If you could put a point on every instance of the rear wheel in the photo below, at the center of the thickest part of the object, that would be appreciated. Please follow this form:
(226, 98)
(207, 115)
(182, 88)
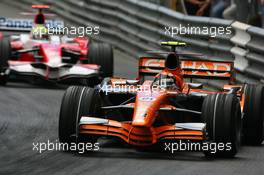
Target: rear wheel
(253, 121)
(102, 55)
(77, 101)
(222, 115)
(5, 54)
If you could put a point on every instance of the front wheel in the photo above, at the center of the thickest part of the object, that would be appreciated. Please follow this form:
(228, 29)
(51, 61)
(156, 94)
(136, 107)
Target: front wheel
(222, 115)
(77, 101)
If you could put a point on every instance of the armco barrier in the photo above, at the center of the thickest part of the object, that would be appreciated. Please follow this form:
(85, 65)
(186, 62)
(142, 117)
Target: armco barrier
(135, 25)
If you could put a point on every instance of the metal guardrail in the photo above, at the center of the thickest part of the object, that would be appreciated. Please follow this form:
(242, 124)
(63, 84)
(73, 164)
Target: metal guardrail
(134, 26)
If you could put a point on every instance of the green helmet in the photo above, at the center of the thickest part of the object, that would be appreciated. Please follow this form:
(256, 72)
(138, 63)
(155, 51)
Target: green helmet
(40, 32)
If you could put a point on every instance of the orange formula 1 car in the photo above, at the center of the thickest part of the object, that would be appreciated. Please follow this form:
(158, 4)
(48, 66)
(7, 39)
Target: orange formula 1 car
(162, 105)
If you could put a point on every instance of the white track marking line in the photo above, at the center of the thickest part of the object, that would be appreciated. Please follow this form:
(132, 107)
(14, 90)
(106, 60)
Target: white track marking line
(77, 115)
(215, 115)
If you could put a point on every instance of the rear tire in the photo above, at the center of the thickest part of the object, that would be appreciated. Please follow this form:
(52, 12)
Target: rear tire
(102, 55)
(5, 54)
(222, 115)
(77, 101)
(253, 121)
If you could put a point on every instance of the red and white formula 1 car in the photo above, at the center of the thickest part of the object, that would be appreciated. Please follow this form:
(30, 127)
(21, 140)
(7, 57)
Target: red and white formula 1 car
(55, 58)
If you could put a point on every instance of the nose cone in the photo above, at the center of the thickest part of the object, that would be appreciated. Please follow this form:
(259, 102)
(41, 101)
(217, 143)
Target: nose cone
(146, 108)
(140, 113)
(51, 54)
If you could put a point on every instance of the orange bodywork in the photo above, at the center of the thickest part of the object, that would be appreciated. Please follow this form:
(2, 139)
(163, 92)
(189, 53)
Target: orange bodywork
(141, 131)
(140, 136)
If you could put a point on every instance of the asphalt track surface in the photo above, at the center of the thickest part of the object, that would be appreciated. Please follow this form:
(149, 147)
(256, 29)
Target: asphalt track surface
(29, 114)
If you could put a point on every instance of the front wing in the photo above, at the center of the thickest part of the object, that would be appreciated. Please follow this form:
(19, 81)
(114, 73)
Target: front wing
(45, 72)
(141, 136)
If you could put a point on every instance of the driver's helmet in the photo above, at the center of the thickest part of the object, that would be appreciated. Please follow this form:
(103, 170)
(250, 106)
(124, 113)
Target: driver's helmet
(167, 81)
(40, 32)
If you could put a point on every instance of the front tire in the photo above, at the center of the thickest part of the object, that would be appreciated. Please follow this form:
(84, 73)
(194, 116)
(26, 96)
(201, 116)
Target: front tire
(77, 101)
(222, 115)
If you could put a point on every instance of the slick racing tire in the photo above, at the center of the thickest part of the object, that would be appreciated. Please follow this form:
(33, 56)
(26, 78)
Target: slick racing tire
(222, 115)
(102, 55)
(253, 121)
(5, 54)
(77, 101)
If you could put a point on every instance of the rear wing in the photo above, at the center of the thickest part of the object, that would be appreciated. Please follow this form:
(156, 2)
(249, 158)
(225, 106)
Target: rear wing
(207, 69)
(199, 69)
(25, 25)
(150, 66)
